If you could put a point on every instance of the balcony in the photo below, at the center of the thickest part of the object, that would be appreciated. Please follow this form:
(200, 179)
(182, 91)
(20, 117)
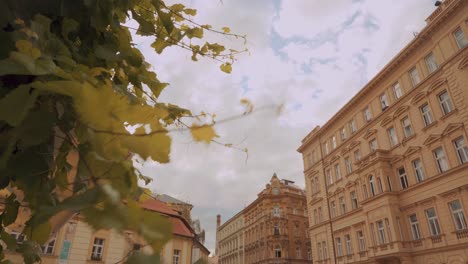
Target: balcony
(363, 254)
(436, 239)
(462, 234)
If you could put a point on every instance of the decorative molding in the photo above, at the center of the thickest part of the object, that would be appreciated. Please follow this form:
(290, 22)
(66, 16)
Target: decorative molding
(354, 144)
(418, 97)
(463, 64)
(431, 139)
(401, 110)
(370, 132)
(411, 150)
(396, 159)
(451, 127)
(386, 121)
(334, 158)
(436, 84)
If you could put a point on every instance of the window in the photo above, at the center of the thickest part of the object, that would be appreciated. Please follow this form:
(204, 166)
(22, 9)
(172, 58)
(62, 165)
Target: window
(357, 155)
(426, 114)
(431, 63)
(397, 90)
(333, 140)
(294, 211)
(277, 252)
(342, 205)
(361, 241)
(460, 38)
(373, 145)
(379, 184)
(333, 208)
(275, 191)
(176, 257)
(372, 185)
(383, 101)
(309, 254)
(325, 251)
(381, 231)
(343, 134)
(414, 75)
(329, 177)
(441, 160)
(319, 249)
(337, 171)
(276, 230)
(458, 215)
(352, 126)
(339, 247)
(48, 248)
(407, 129)
(433, 222)
(320, 214)
(445, 102)
(415, 231)
(349, 247)
(98, 248)
(325, 146)
(462, 149)
(354, 201)
(296, 230)
(317, 187)
(364, 188)
(367, 114)
(348, 165)
(19, 237)
(418, 170)
(276, 211)
(389, 182)
(315, 217)
(389, 232)
(403, 178)
(298, 252)
(392, 136)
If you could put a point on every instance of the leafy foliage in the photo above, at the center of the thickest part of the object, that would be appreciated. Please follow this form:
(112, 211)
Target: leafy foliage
(71, 84)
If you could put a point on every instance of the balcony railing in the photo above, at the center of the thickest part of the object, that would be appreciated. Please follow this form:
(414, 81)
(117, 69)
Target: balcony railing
(461, 234)
(436, 239)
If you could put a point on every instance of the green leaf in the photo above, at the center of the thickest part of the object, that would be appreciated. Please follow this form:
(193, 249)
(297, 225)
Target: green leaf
(226, 67)
(39, 233)
(166, 20)
(160, 44)
(226, 29)
(37, 127)
(190, 12)
(15, 105)
(195, 32)
(141, 258)
(8, 239)
(11, 210)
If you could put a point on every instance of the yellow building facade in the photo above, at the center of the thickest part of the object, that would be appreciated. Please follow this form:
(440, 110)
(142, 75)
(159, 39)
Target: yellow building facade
(387, 176)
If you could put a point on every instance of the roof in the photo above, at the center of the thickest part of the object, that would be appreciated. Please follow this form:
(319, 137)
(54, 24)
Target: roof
(179, 224)
(169, 199)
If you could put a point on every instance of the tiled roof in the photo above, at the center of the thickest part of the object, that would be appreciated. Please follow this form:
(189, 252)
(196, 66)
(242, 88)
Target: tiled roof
(179, 225)
(169, 199)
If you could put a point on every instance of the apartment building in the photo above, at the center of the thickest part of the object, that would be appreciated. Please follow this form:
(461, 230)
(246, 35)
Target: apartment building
(230, 237)
(387, 175)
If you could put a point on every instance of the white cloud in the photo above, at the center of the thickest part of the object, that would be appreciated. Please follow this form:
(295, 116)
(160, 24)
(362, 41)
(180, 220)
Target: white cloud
(327, 61)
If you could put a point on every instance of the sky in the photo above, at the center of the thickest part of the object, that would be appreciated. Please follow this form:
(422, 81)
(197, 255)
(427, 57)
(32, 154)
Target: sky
(310, 56)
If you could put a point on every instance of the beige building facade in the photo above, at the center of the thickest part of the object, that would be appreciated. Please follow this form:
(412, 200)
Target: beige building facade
(272, 229)
(387, 176)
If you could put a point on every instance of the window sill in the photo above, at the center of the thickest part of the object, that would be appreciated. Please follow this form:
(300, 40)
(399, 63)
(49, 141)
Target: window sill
(429, 126)
(449, 114)
(406, 139)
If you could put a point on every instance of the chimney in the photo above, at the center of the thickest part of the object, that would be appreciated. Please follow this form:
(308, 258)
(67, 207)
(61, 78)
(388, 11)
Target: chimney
(218, 224)
(218, 221)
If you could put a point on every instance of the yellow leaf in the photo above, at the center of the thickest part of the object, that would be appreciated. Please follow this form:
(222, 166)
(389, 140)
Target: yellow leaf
(27, 48)
(204, 133)
(41, 233)
(248, 105)
(226, 29)
(226, 67)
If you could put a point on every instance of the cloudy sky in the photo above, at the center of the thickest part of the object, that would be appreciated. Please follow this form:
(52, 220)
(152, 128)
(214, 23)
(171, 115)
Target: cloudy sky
(310, 55)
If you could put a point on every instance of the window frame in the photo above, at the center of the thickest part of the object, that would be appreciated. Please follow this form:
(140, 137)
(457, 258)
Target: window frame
(367, 114)
(458, 214)
(433, 222)
(354, 200)
(418, 170)
(462, 151)
(446, 104)
(97, 251)
(414, 76)
(361, 241)
(457, 40)
(431, 62)
(441, 161)
(384, 102)
(393, 137)
(397, 91)
(407, 127)
(403, 177)
(414, 226)
(176, 253)
(426, 116)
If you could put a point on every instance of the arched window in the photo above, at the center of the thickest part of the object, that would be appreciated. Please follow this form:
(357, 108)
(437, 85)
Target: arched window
(277, 251)
(372, 185)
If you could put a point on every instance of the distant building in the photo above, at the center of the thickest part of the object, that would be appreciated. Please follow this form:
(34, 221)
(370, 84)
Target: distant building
(183, 207)
(272, 229)
(387, 176)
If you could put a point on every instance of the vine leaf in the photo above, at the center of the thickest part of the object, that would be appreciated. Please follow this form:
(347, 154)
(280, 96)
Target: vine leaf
(15, 105)
(203, 133)
(226, 67)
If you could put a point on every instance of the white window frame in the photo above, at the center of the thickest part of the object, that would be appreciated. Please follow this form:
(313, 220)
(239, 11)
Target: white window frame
(329, 176)
(460, 38)
(333, 208)
(397, 92)
(278, 252)
(372, 186)
(458, 215)
(276, 211)
(381, 232)
(367, 114)
(426, 114)
(339, 247)
(176, 256)
(342, 202)
(326, 148)
(97, 251)
(418, 170)
(392, 136)
(401, 171)
(357, 155)
(319, 249)
(462, 149)
(431, 62)
(441, 159)
(361, 241)
(373, 145)
(445, 102)
(349, 246)
(407, 128)
(433, 221)
(414, 225)
(333, 142)
(352, 126)
(354, 200)
(337, 171)
(384, 104)
(349, 166)
(49, 246)
(414, 76)
(343, 133)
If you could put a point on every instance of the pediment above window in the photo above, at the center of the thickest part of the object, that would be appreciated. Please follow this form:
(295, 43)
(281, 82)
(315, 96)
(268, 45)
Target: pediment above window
(411, 150)
(370, 133)
(431, 139)
(451, 127)
(386, 121)
(418, 97)
(463, 64)
(354, 144)
(401, 110)
(436, 84)
(396, 159)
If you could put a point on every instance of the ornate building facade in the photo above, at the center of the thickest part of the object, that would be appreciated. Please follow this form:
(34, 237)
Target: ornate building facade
(272, 229)
(387, 176)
